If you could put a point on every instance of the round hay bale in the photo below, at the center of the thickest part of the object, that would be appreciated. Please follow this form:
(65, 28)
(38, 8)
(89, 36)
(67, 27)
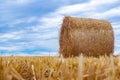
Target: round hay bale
(91, 37)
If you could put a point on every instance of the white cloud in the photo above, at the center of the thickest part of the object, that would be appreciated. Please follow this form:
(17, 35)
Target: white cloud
(107, 14)
(48, 35)
(9, 48)
(38, 43)
(89, 6)
(17, 2)
(117, 31)
(116, 25)
(10, 36)
(53, 21)
(41, 36)
(118, 45)
(22, 1)
(116, 28)
(23, 21)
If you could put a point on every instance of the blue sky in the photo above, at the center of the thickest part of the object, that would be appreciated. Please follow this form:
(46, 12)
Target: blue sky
(31, 27)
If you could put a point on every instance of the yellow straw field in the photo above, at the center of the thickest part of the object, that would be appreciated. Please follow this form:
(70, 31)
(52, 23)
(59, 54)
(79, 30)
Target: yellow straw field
(59, 68)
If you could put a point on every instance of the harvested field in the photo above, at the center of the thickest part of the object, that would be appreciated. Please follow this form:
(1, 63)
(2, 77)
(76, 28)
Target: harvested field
(91, 37)
(59, 68)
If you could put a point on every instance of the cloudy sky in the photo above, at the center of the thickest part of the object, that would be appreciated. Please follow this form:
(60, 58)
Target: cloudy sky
(31, 27)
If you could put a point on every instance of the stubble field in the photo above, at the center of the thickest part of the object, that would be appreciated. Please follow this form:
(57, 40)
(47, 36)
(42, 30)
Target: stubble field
(59, 68)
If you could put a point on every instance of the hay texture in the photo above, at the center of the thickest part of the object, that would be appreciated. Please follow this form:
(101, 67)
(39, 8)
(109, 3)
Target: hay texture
(91, 37)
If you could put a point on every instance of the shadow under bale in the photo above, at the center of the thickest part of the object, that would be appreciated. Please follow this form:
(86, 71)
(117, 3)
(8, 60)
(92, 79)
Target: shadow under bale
(91, 37)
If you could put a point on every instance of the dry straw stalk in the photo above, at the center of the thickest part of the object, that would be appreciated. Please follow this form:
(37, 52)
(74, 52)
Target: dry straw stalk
(53, 68)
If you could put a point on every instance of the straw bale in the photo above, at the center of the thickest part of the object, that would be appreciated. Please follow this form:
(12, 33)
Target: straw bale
(91, 37)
